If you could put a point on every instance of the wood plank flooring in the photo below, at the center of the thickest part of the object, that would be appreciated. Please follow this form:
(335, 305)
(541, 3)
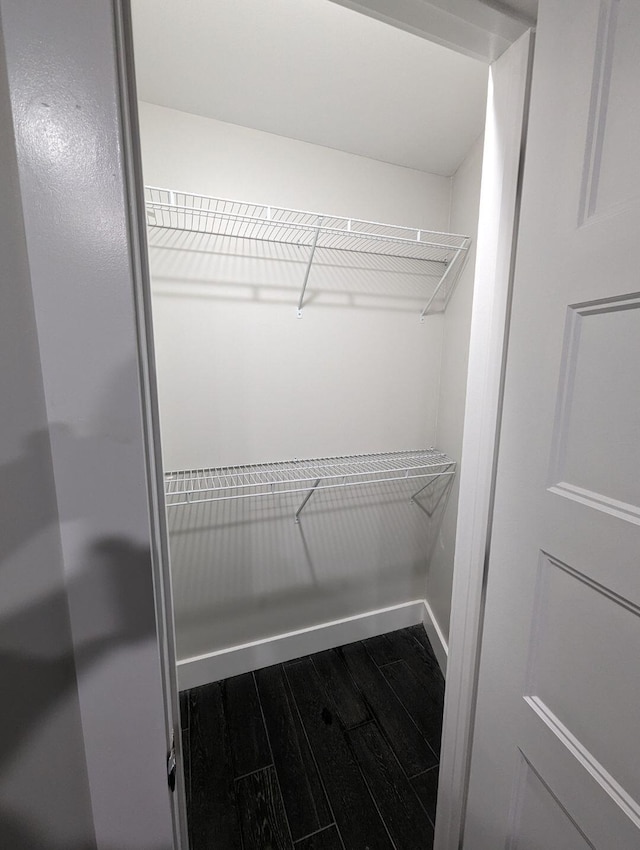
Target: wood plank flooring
(334, 751)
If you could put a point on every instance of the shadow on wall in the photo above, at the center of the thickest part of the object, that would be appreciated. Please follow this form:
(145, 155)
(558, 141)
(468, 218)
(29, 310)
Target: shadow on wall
(245, 570)
(19, 836)
(37, 665)
(204, 266)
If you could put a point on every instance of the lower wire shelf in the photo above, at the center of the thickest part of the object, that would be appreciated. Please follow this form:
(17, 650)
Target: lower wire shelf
(192, 486)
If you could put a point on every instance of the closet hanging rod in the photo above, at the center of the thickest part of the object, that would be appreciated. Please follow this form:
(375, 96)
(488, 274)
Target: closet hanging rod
(303, 476)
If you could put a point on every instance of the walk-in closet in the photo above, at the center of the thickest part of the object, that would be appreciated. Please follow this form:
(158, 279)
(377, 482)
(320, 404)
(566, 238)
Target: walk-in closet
(312, 180)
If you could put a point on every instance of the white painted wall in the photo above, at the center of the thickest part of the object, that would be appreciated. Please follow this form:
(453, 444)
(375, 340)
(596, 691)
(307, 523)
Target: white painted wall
(244, 570)
(241, 379)
(42, 742)
(465, 200)
(312, 71)
(63, 84)
(211, 157)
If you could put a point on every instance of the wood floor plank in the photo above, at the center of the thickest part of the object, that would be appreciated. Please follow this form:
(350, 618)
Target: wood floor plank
(186, 766)
(434, 737)
(302, 793)
(325, 815)
(413, 752)
(382, 649)
(426, 787)
(262, 817)
(213, 819)
(416, 651)
(419, 701)
(406, 820)
(414, 648)
(341, 689)
(248, 737)
(369, 708)
(184, 709)
(328, 839)
(355, 813)
(419, 634)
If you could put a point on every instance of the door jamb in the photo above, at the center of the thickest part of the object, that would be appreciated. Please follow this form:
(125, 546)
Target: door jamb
(499, 209)
(163, 592)
(502, 168)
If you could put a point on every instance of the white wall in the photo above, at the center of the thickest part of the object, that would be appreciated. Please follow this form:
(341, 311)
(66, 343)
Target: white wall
(63, 85)
(43, 773)
(465, 199)
(195, 154)
(241, 379)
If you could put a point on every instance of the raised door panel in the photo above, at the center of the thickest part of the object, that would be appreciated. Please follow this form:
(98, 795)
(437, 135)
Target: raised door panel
(556, 744)
(614, 129)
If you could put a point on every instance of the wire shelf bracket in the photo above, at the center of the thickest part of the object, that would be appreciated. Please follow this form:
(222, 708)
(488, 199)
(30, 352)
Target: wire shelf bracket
(188, 487)
(445, 253)
(308, 270)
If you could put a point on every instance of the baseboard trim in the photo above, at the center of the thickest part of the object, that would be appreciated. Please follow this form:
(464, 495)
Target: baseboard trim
(436, 637)
(234, 660)
(285, 647)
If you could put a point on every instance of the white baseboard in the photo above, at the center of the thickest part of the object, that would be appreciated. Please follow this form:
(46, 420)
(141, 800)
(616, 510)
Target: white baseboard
(214, 666)
(436, 637)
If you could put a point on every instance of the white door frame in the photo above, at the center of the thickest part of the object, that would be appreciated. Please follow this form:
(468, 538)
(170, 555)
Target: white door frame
(503, 157)
(136, 217)
(499, 205)
(70, 85)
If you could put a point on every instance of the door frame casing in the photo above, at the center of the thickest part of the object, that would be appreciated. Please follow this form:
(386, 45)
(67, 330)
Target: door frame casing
(74, 146)
(493, 274)
(499, 205)
(502, 168)
(141, 276)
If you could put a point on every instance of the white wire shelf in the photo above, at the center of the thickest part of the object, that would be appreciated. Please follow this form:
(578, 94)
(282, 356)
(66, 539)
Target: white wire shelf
(192, 486)
(442, 253)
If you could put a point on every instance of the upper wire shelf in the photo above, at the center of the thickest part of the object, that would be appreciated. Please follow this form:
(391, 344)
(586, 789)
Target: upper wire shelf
(296, 476)
(183, 211)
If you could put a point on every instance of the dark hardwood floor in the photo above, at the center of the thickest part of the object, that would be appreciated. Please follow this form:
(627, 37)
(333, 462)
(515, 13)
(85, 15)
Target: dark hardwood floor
(333, 751)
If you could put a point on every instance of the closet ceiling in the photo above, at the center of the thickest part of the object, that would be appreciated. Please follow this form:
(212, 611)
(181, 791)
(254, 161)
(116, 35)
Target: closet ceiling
(315, 71)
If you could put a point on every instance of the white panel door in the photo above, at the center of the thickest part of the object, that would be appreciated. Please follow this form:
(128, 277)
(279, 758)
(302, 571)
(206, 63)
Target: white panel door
(556, 757)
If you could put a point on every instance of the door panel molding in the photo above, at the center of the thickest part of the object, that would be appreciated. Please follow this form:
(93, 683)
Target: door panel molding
(612, 54)
(571, 665)
(522, 786)
(576, 376)
(585, 759)
(561, 635)
(600, 88)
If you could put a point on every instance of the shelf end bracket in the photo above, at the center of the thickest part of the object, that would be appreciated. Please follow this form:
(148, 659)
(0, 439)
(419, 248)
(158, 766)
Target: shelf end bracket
(306, 499)
(308, 269)
(450, 265)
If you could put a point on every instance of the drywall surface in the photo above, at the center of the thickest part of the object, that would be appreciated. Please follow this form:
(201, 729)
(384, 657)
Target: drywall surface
(245, 570)
(312, 71)
(61, 65)
(195, 154)
(465, 199)
(242, 379)
(43, 774)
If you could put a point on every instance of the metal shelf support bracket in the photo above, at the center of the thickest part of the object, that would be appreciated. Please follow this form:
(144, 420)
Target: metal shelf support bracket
(450, 265)
(308, 270)
(306, 499)
(428, 484)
